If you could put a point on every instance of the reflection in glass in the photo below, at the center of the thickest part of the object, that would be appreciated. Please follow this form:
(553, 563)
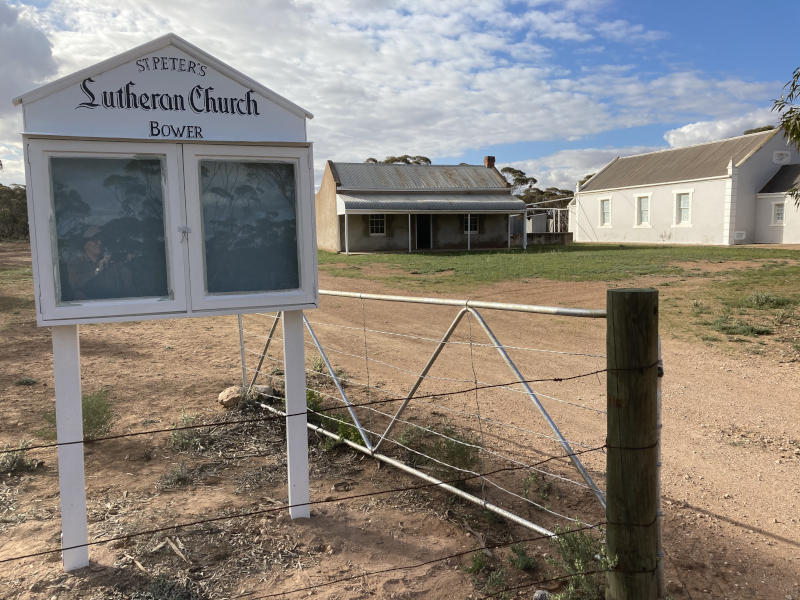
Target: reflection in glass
(249, 226)
(109, 228)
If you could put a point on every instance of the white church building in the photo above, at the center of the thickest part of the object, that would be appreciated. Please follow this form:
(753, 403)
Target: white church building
(732, 191)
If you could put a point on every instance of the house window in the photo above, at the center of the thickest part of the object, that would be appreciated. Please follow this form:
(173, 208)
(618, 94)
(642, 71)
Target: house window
(643, 210)
(683, 208)
(377, 224)
(470, 223)
(778, 213)
(605, 212)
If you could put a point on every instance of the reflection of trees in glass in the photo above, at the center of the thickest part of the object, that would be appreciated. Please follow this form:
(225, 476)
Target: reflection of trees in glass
(118, 202)
(249, 226)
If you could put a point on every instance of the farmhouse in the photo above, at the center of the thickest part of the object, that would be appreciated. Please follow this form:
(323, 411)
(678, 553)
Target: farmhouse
(732, 191)
(372, 207)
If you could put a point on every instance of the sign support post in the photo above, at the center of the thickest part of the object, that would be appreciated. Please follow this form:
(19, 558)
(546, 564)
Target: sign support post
(296, 420)
(69, 428)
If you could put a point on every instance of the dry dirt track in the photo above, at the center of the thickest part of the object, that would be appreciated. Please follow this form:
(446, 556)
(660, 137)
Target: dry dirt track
(731, 479)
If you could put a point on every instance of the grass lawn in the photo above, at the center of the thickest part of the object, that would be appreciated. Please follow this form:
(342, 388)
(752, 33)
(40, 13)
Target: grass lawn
(584, 262)
(744, 297)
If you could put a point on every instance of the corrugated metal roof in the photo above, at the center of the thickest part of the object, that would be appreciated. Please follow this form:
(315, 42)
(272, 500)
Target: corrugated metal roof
(785, 179)
(457, 203)
(679, 164)
(375, 177)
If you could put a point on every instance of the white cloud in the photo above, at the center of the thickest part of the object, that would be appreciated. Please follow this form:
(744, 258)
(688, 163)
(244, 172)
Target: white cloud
(26, 53)
(429, 78)
(709, 131)
(565, 168)
(623, 31)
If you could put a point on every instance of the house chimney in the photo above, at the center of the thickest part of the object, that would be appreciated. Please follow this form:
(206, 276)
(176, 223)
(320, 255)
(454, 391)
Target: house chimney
(488, 162)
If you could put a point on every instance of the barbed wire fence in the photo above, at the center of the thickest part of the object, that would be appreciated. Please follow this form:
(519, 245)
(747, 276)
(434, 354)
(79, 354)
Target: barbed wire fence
(452, 423)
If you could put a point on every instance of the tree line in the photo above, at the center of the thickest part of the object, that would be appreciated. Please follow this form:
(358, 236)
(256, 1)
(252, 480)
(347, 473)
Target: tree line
(13, 212)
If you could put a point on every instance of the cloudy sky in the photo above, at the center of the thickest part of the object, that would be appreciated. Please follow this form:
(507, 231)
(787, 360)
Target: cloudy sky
(556, 88)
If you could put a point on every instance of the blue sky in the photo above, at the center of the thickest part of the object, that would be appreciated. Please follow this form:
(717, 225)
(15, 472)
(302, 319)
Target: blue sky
(556, 88)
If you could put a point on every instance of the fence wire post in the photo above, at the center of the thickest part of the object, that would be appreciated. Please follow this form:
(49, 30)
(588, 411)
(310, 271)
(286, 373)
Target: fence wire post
(633, 445)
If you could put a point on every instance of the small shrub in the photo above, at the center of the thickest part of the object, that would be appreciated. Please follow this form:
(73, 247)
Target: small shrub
(458, 451)
(520, 559)
(26, 381)
(496, 583)
(478, 563)
(535, 482)
(97, 415)
(14, 461)
(339, 425)
(317, 364)
(765, 300)
(98, 418)
(784, 316)
(195, 439)
(180, 475)
(698, 308)
(578, 553)
(729, 326)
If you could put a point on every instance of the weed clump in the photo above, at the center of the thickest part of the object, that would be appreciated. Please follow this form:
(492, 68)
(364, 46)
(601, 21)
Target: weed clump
(520, 559)
(193, 439)
(584, 558)
(729, 326)
(765, 300)
(98, 417)
(339, 425)
(446, 452)
(13, 459)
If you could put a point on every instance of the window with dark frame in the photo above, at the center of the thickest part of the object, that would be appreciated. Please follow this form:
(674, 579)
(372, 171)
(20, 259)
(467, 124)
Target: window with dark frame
(377, 224)
(470, 223)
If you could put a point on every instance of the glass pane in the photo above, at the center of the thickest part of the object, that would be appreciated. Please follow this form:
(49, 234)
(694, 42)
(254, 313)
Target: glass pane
(109, 228)
(249, 226)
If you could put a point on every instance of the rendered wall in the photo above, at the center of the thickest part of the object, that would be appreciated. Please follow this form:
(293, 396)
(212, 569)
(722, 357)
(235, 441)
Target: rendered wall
(327, 220)
(765, 231)
(751, 178)
(707, 204)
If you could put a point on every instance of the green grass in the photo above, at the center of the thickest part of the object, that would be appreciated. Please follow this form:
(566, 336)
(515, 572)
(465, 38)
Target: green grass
(583, 262)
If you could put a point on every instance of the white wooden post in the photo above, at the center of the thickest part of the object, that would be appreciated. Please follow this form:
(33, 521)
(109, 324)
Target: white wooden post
(296, 431)
(69, 428)
(509, 231)
(409, 233)
(525, 230)
(346, 235)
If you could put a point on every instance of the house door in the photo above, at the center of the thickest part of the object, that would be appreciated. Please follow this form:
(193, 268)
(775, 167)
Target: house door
(423, 232)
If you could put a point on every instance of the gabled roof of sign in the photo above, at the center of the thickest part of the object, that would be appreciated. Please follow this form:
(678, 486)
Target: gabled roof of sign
(382, 178)
(679, 164)
(169, 39)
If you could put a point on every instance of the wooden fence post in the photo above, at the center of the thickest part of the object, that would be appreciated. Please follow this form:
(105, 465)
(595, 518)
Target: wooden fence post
(632, 511)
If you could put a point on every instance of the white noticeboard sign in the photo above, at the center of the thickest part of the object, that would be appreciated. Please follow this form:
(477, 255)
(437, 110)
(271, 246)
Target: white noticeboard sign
(163, 183)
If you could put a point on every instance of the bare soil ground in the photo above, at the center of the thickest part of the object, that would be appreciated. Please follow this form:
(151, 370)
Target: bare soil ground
(731, 456)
